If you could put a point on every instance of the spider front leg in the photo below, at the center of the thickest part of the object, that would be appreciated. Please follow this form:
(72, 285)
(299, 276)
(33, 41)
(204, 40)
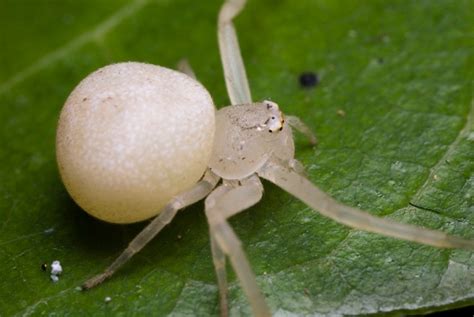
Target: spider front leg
(300, 126)
(224, 202)
(314, 197)
(198, 192)
(234, 69)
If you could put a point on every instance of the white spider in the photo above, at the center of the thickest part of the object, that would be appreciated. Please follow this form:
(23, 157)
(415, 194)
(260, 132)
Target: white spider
(134, 140)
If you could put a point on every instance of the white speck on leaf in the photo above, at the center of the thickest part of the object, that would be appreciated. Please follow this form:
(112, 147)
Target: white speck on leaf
(49, 230)
(56, 268)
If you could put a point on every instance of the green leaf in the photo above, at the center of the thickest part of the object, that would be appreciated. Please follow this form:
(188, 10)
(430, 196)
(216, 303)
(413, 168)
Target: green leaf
(402, 71)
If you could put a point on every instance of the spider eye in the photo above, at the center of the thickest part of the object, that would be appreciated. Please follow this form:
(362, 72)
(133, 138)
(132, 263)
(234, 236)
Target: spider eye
(270, 105)
(275, 118)
(274, 124)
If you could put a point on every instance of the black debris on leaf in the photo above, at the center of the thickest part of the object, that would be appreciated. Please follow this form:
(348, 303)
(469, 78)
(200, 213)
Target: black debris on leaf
(309, 80)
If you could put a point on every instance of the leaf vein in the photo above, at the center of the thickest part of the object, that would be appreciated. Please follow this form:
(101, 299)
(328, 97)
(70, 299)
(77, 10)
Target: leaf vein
(96, 33)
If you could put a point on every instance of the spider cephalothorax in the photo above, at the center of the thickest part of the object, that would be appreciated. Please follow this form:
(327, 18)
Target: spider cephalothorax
(247, 136)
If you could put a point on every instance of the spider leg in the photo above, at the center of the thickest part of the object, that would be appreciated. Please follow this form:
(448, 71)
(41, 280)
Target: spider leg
(314, 197)
(234, 69)
(196, 193)
(221, 204)
(299, 125)
(218, 257)
(297, 167)
(184, 67)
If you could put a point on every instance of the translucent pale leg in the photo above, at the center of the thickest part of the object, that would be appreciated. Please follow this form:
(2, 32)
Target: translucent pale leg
(198, 192)
(221, 204)
(296, 166)
(300, 126)
(218, 257)
(234, 70)
(184, 67)
(306, 191)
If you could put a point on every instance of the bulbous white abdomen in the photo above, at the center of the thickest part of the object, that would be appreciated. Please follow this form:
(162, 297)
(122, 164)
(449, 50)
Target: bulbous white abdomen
(130, 137)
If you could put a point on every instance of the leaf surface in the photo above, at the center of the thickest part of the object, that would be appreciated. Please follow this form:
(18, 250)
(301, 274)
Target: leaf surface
(393, 112)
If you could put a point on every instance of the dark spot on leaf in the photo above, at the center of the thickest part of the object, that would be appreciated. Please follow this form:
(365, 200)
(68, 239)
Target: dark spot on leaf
(309, 80)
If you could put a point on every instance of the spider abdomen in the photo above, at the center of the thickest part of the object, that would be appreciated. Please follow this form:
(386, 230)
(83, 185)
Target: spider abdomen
(130, 137)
